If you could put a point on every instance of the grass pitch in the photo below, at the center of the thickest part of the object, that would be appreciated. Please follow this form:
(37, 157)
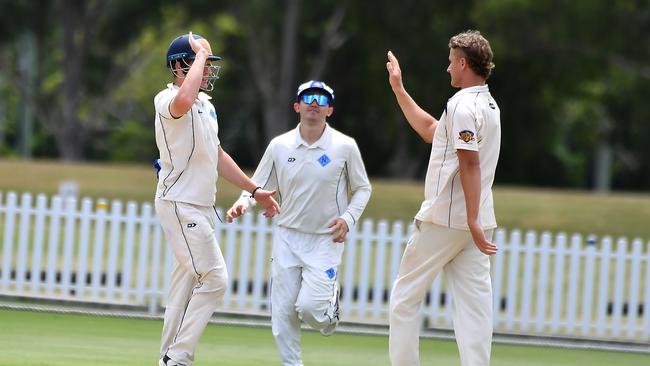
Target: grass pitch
(48, 339)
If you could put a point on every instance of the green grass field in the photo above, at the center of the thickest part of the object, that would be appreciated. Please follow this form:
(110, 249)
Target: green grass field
(47, 339)
(616, 214)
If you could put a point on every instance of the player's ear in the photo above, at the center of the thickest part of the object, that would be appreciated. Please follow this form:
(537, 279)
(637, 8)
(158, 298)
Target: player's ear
(330, 110)
(296, 107)
(462, 61)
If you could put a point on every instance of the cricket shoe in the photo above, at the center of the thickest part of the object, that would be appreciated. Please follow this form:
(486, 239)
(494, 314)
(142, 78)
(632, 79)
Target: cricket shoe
(166, 361)
(334, 317)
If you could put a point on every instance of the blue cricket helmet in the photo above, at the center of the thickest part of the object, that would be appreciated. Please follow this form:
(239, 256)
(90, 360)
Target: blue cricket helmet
(180, 49)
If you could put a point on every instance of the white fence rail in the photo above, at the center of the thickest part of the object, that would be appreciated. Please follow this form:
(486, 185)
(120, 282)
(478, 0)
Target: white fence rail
(543, 284)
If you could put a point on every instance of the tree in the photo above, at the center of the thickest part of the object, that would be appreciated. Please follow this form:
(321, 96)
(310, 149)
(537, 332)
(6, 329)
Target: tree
(259, 23)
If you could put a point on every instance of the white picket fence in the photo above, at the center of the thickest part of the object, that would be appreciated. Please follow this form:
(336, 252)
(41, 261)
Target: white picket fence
(546, 284)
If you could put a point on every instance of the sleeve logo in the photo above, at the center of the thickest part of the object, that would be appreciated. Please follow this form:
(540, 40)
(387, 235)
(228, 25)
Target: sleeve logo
(466, 136)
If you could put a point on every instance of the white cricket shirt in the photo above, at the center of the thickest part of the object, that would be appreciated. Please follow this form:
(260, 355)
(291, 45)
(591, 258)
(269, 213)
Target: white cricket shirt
(316, 183)
(188, 148)
(471, 121)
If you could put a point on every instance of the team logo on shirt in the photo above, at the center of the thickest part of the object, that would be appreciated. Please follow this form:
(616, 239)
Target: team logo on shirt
(466, 136)
(324, 160)
(331, 273)
(213, 114)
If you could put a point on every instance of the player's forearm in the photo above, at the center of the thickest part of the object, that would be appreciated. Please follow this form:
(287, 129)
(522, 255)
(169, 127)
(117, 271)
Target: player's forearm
(189, 90)
(357, 205)
(422, 122)
(231, 172)
(470, 178)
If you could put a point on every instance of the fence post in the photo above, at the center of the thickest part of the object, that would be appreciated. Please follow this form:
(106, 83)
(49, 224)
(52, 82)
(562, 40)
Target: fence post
(127, 257)
(364, 270)
(98, 248)
(53, 245)
(350, 255)
(39, 238)
(574, 276)
(587, 290)
(633, 294)
(558, 284)
(397, 241)
(603, 286)
(147, 221)
(8, 244)
(527, 285)
(497, 277)
(646, 303)
(260, 276)
(619, 287)
(23, 240)
(113, 248)
(380, 270)
(542, 285)
(155, 297)
(84, 236)
(513, 275)
(70, 211)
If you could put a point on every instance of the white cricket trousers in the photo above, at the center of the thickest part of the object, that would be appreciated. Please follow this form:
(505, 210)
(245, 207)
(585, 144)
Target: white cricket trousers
(304, 271)
(198, 279)
(433, 248)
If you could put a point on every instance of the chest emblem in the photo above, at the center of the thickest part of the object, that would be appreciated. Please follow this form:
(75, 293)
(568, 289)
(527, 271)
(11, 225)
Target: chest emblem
(213, 114)
(324, 160)
(466, 136)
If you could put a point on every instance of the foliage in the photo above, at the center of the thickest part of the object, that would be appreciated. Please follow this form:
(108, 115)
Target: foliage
(571, 78)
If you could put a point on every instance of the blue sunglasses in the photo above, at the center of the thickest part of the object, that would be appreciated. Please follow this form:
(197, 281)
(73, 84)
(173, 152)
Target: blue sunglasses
(321, 100)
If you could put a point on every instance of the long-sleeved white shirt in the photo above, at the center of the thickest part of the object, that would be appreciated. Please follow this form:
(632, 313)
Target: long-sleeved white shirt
(317, 183)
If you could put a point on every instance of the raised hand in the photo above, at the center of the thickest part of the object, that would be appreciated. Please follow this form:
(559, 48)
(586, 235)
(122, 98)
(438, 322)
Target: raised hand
(339, 230)
(394, 72)
(196, 45)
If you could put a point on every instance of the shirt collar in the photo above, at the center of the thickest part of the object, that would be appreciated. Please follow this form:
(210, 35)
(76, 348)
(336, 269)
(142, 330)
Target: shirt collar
(323, 142)
(472, 89)
(202, 96)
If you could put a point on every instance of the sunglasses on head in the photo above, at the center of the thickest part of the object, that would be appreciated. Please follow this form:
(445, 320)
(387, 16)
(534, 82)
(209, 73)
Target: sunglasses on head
(321, 100)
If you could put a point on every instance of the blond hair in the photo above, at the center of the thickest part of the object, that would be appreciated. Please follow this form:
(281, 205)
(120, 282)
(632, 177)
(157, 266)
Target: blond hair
(476, 49)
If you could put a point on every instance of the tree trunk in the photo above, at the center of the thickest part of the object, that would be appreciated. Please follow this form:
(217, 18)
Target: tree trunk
(277, 89)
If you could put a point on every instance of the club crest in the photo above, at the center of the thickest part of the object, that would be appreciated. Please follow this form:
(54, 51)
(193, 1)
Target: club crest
(466, 136)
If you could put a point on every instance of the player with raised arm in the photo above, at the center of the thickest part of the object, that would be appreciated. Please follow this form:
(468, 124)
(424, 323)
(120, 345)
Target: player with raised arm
(191, 158)
(453, 229)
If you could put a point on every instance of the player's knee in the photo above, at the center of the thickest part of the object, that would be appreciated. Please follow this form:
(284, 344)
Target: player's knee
(311, 311)
(215, 281)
